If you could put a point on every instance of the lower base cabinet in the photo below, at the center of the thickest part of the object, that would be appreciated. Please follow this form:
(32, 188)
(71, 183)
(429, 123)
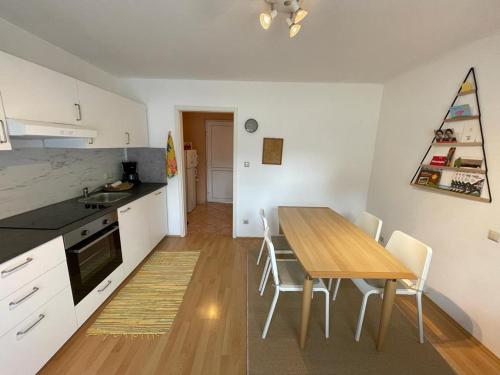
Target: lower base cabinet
(42, 331)
(27, 347)
(143, 224)
(87, 306)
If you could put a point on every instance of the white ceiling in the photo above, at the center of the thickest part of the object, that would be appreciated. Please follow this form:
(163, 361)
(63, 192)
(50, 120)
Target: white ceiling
(341, 40)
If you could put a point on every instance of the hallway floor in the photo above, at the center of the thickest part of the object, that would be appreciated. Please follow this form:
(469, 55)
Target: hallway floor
(211, 218)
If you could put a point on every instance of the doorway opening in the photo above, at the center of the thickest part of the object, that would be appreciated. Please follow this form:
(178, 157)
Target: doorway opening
(208, 170)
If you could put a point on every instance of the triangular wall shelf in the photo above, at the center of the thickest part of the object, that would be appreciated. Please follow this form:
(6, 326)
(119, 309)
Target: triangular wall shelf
(457, 180)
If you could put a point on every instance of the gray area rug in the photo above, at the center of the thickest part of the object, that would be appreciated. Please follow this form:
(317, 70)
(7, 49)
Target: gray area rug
(280, 354)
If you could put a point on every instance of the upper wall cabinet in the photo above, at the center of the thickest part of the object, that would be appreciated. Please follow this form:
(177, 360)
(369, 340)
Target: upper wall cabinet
(32, 92)
(135, 126)
(120, 122)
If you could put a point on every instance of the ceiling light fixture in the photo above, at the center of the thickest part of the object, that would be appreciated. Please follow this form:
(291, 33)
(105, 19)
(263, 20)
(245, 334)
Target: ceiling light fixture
(293, 28)
(266, 18)
(299, 13)
(296, 15)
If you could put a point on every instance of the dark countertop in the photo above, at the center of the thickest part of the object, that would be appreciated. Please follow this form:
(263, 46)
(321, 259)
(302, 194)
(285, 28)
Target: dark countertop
(14, 242)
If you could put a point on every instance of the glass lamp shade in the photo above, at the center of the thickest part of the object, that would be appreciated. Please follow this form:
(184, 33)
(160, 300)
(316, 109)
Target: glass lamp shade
(294, 29)
(265, 20)
(300, 14)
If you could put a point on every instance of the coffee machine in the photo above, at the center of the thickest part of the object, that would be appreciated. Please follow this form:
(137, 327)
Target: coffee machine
(130, 172)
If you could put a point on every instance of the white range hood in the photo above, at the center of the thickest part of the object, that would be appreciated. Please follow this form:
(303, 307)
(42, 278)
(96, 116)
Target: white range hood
(26, 129)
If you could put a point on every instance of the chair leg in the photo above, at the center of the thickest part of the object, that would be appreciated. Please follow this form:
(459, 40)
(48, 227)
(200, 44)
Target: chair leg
(263, 278)
(330, 284)
(268, 272)
(271, 312)
(420, 320)
(261, 251)
(327, 314)
(361, 317)
(337, 285)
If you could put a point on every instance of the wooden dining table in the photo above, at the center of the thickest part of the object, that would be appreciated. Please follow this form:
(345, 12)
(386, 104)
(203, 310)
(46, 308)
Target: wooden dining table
(327, 245)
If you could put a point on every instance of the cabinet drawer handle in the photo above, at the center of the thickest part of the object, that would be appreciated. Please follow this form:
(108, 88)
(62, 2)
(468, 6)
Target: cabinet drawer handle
(10, 271)
(78, 112)
(104, 287)
(125, 210)
(25, 331)
(128, 137)
(21, 300)
(4, 139)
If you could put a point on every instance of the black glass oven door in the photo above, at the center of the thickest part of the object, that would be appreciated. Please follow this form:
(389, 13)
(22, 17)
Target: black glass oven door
(92, 260)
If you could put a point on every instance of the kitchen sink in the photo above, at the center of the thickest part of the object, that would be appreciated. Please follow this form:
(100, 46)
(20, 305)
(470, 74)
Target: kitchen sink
(102, 198)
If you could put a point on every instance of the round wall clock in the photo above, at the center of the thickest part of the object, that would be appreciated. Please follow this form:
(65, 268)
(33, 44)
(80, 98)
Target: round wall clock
(251, 125)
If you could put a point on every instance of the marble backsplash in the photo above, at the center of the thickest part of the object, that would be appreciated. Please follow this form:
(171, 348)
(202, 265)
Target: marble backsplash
(33, 178)
(150, 163)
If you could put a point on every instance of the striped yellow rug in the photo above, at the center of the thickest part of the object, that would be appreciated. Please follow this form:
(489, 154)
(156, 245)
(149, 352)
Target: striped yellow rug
(148, 303)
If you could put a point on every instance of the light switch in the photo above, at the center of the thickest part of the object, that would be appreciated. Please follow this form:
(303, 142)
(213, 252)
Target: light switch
(246, 164)
(494, 235)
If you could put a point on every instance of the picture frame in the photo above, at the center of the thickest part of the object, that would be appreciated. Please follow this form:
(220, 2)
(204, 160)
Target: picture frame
(272, 151)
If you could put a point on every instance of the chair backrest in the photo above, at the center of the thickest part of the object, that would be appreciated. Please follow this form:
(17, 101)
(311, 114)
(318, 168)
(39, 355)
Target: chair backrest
(412, 253)
(263, 218)
(370, 224)
(272, 256)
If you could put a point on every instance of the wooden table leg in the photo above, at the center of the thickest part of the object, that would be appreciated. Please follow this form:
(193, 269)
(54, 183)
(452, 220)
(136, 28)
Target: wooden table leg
(306, 308)
(385, 316)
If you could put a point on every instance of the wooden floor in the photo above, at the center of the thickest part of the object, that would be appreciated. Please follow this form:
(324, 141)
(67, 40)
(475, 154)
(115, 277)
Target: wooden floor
(464, 354)
(207, 337)
(209, 333)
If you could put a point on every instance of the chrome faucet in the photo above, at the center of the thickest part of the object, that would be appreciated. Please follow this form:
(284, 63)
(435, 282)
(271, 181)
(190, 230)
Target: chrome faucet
(86, 192)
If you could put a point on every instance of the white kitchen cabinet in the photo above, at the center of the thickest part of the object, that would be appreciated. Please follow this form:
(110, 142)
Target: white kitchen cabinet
(143, 224)
(4, 135)
(87, 306)
(135, 125)
(24, 301)
(32, 92)
(101, 110)
(26, 267)
(157, 216)
(29, 345)
(120, 122)
(134, 233)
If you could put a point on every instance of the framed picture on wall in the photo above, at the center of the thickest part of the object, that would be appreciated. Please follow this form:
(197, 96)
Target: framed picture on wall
(272, 151)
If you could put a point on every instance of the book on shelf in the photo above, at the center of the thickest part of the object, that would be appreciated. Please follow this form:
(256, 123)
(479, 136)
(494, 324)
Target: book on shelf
(428, 177)
(447, 135)
(467, 183)
(470, 133)
(449, 157)
(439, 161)
(468, 163)
(460, 111)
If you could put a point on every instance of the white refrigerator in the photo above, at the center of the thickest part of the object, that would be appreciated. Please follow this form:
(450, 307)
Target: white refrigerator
(191, 158)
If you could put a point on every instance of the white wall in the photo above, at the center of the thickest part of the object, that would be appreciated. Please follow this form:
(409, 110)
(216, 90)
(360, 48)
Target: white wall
(20, 43)
(328, 131)
(464, 276)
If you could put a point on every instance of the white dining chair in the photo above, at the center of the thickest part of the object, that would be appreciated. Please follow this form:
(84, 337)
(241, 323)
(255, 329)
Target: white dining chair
(413, 254)
(279, 241)
(372, 226)
(288, 276)
(281, 247)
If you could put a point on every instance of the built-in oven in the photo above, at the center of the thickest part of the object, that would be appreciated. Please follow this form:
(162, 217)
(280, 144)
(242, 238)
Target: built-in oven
(93, 252)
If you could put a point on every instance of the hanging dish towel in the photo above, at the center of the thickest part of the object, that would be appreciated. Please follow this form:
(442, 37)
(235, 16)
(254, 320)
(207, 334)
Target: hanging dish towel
(171, 162)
